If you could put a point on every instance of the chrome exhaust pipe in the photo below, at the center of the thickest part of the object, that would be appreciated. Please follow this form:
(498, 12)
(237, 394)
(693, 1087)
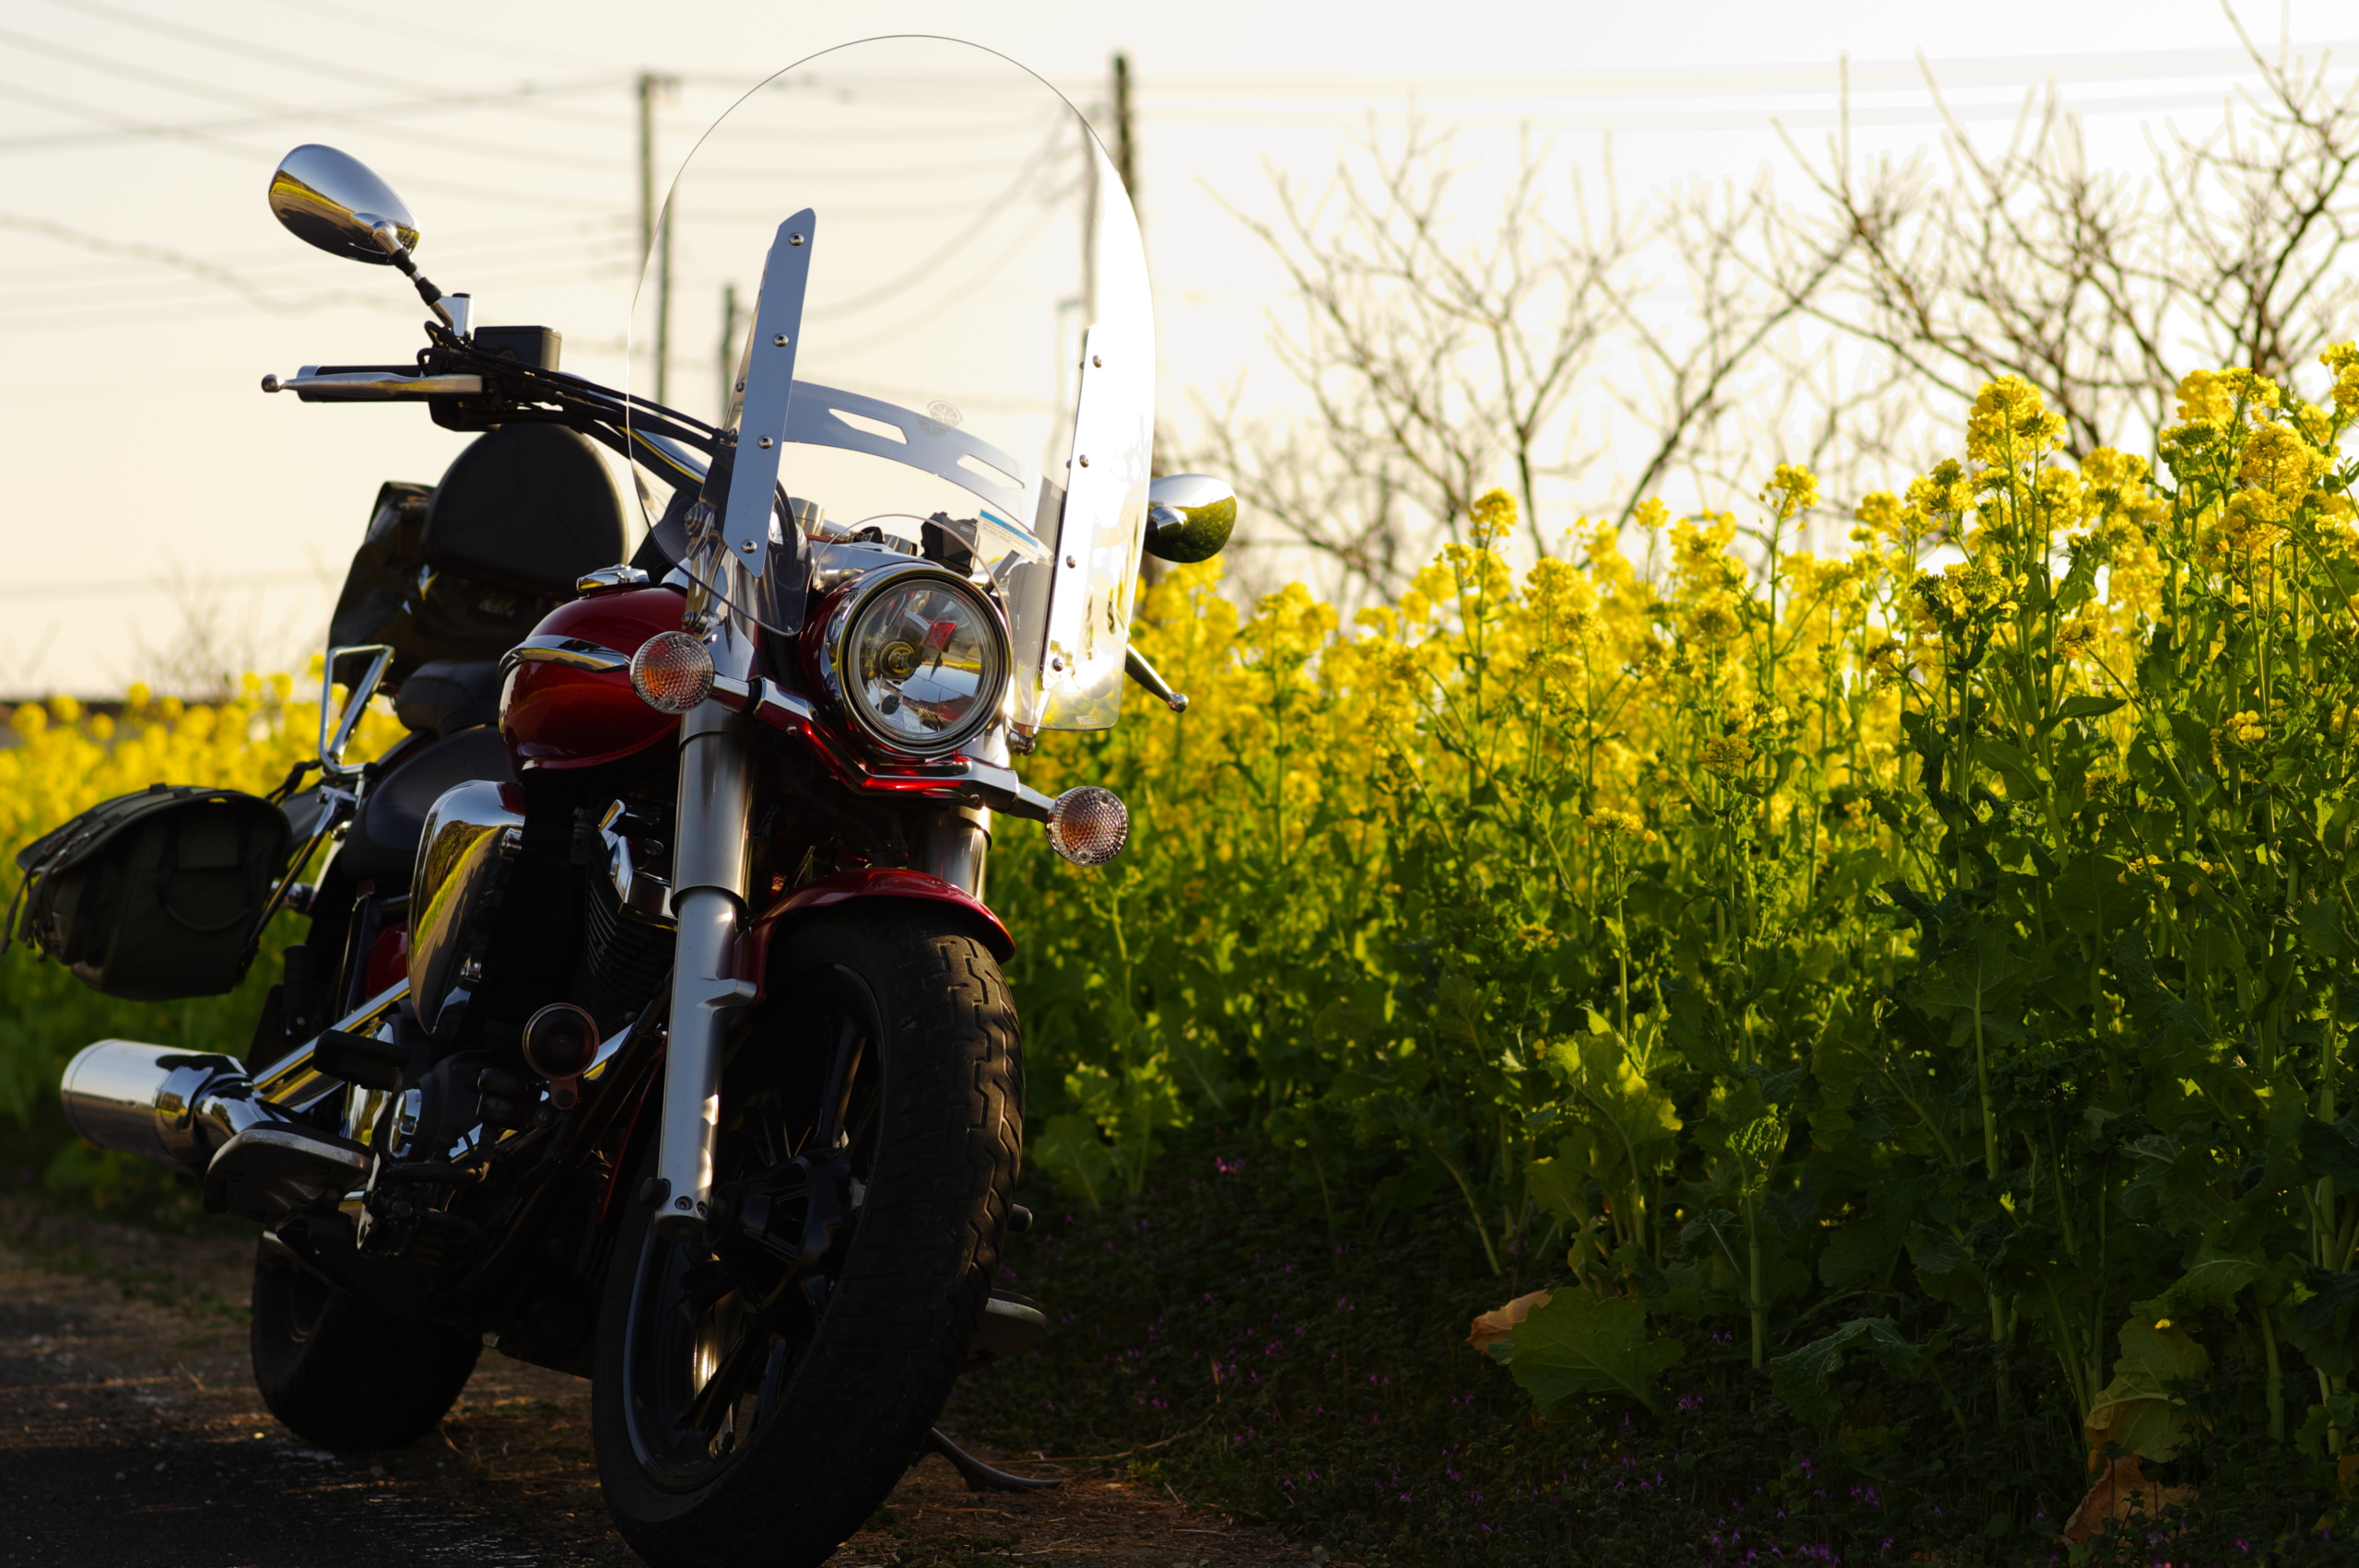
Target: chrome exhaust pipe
(177, 1107)
(199, 1114)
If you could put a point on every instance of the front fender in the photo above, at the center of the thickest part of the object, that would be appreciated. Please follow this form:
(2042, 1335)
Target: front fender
(871, 883)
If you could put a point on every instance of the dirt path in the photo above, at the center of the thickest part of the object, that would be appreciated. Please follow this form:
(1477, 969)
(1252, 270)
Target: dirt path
(130, 1434)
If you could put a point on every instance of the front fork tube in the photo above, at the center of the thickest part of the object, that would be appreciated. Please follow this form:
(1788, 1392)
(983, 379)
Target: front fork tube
(954, 845)
(709, 867)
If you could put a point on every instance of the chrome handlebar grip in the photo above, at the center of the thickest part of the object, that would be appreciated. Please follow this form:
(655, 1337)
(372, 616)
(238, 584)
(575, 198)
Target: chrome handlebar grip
(371, 386)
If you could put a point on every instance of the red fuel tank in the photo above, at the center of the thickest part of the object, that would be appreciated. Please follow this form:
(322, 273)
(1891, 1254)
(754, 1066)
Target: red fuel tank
(567, 702)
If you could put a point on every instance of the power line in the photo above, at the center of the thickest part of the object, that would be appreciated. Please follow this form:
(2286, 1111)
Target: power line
(1749, 79)
(938, 134)
(698, 174)
(195, 266)
(406, 29)
(204, 140)
(225, 43)
(249, 154)
(54, 140)
(934, 308)
(1635, 121)
(106, 587)
(21, 313)
(288, 264)
(836, 309)
(195, 88)
(253, 291)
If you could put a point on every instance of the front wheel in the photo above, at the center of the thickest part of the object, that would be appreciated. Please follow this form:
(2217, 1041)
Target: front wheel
(755, 1398)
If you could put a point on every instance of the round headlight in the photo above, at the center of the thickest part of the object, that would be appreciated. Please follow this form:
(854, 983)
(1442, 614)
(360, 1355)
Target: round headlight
(920, 658)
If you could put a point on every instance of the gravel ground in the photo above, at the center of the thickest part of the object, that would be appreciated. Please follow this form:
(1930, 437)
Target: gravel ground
(130, 1434)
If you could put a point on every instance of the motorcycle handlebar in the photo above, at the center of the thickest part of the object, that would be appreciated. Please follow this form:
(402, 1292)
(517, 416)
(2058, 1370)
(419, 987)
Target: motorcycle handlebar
(370, 383)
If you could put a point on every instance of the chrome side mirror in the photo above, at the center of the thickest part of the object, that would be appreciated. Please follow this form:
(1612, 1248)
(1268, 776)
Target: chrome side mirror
(334, 201)
(1189, 517)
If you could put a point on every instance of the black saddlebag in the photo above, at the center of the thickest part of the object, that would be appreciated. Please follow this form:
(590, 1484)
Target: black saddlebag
(155, 896)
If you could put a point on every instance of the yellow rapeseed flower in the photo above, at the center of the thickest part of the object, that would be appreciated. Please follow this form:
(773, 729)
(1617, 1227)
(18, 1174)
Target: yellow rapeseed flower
(1713, 618)
(2275, 458)
(2211, 397)
(1560, 593)
(1885, 517)
(2343, 358)
(2009, 423)
(1726, 755)
(1793, 489)
(2076, 636)
(1493, 517)
(2253, 521)
(1941, 492)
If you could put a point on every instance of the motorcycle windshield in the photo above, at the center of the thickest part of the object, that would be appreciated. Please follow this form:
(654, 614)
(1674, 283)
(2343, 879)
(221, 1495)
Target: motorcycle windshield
(931, 237)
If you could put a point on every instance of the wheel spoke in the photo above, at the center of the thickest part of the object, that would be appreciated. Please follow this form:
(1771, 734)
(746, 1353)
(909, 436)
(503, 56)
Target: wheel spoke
(773, 1379)
(851, 1038)
(719, 1395)
(702, 1287)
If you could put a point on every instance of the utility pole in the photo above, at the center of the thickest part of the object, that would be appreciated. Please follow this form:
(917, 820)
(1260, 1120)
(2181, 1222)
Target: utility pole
(728, 350)
(650, 87)
(1126, 162)
(1088, 233)
(1126, 166)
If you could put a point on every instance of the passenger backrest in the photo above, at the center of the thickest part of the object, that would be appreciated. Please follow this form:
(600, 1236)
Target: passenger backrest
(526, 507)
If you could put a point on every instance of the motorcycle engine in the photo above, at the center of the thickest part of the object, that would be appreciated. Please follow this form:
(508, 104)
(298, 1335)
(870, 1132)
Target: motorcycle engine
(626, 913)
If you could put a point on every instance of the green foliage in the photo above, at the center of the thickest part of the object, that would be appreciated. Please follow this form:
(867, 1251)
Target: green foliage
(2140, 1411)
(1800, 1377)
(58, 759)
(1068, 1148)
(1203, 1337)
(1959, 933)
(46, 1015)
(1573, 1344)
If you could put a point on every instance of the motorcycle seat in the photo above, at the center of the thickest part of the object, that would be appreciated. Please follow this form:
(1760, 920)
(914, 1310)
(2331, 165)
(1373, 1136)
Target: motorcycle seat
(381, 844)
(443, 696)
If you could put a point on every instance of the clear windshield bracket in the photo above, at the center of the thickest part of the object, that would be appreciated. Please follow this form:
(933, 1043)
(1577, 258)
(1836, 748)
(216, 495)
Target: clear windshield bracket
(769, 391)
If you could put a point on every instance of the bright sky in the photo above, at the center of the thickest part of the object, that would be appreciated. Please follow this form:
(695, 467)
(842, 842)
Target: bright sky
(146, 471)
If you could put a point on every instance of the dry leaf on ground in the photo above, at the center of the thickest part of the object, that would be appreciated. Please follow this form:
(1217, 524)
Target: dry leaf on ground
(1499, 1322)
(2121, 1490)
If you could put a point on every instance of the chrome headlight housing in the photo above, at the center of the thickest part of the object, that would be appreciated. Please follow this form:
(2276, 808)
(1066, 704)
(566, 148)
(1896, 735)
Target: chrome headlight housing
(916, 656)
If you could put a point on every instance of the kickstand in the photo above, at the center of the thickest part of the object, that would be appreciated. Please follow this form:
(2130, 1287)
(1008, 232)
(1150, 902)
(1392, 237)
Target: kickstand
(981, 1477)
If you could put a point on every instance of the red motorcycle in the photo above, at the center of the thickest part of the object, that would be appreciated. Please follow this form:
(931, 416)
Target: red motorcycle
(649, 1023)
